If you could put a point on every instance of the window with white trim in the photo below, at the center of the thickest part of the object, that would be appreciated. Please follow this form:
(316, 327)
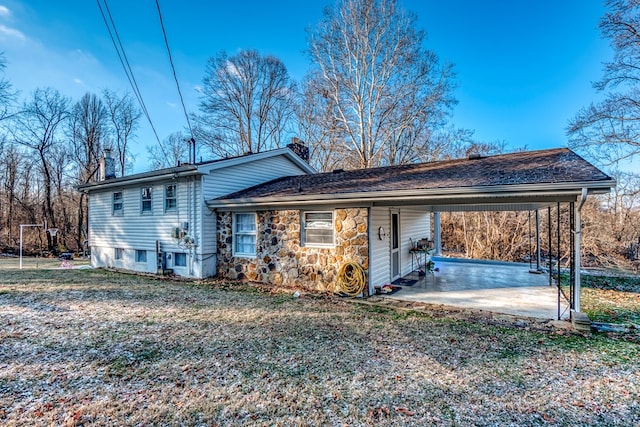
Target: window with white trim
(318, 228)
(145, 200)
(170, 199)
(141, 256)
(179, 259)
(118, 253)
(244, 234)
(117, 203)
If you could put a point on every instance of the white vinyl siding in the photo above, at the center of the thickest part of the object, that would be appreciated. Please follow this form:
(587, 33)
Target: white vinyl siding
(117, 207)
(146, 202)
(318, 228)
(414, 225)
(244, 234)
(380, 262)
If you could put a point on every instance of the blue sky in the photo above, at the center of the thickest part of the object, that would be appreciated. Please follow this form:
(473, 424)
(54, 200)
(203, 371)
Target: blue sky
(524, 68)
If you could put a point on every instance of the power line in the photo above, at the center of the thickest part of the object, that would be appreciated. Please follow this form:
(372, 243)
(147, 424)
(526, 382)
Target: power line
(124, 61)
(175, 77)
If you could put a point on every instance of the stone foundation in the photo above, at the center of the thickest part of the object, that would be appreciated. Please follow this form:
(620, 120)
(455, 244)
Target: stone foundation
(281, 260)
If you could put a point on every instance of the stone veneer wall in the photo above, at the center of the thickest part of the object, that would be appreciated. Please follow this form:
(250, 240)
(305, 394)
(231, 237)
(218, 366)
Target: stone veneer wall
(281, 259)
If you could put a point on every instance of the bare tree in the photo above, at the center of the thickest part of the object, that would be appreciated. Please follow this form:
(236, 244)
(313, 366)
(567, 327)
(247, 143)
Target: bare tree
(317, 126)
(247, 103)
(124, 117)
(88, 132)
(38, 127)
(7, 96)
(609, 131)
(385, 92)
(174, 150)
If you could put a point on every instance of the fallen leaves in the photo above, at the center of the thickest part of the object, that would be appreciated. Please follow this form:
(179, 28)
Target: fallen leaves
(405, 411)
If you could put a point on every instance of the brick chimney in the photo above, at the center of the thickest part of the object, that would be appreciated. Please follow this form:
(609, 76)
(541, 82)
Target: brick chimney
(107, 166)
(300, 148)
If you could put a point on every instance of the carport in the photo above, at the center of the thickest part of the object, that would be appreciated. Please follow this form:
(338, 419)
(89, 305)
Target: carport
(545, 182)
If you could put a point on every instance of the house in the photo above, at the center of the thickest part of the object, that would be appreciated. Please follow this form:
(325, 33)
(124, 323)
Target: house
(298, 230)
(158, 220)
(269, 218)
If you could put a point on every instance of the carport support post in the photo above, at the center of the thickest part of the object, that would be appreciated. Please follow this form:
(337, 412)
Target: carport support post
(578, 231)
(437, 235)
(537, 239)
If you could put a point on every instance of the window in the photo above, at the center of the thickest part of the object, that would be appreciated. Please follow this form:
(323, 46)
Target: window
(318, 228)
(145, 196)
(179, 259)
(117, 203)
(118, 253)
(170, 201)
(244, 234)
(141, 256)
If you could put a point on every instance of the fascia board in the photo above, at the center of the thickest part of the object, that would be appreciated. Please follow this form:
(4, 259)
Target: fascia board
(525, 190)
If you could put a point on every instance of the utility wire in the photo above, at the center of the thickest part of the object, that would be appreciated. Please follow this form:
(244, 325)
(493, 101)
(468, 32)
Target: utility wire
(173, 68)
(124, 61)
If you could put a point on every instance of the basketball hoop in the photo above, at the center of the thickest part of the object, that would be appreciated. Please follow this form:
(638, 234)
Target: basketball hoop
(53, 231)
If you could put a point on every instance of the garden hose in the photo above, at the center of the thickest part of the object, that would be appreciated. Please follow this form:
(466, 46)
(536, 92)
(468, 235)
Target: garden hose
(351, 279)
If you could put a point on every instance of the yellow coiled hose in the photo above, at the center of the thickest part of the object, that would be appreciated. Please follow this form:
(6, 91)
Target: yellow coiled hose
(351, 279)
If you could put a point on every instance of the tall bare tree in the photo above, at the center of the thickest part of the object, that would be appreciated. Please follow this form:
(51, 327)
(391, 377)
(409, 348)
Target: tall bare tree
(89, 133)
(609, 131)
(174, 150)
(124, 117)
(247, 103)
(38, 127)
(386, 94)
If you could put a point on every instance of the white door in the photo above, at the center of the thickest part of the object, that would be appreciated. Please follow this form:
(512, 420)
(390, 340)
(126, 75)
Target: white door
(395, 245)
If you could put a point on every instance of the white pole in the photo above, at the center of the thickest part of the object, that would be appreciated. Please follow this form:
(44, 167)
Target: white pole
(437, 234)
(20, 246)
(578, 249)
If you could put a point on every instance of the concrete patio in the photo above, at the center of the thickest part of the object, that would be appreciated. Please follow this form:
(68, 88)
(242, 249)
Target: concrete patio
(493, 286)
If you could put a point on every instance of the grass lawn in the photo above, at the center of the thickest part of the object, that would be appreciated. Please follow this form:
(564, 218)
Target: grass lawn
(92, 347)
(609, 299)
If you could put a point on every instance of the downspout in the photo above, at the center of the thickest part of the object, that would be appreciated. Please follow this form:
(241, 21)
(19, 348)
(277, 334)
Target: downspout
(369, 240)
(578, 238)
(194, 232)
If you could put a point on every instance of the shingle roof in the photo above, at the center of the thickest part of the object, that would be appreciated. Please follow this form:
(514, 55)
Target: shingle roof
(532, 167)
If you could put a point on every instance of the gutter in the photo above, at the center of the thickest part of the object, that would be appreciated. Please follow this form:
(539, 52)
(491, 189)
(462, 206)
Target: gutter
(123, 181)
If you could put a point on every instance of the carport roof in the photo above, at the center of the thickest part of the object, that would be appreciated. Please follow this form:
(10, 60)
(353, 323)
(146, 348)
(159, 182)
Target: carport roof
(531, 177)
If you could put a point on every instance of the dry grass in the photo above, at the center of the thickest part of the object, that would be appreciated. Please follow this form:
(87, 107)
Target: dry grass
(85, 347)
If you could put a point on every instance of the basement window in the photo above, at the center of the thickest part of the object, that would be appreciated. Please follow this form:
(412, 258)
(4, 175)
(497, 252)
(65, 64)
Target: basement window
(118, 253)
(179, 259)
(318, 228)
(244, 234)
(141, 256)
(117, 204)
